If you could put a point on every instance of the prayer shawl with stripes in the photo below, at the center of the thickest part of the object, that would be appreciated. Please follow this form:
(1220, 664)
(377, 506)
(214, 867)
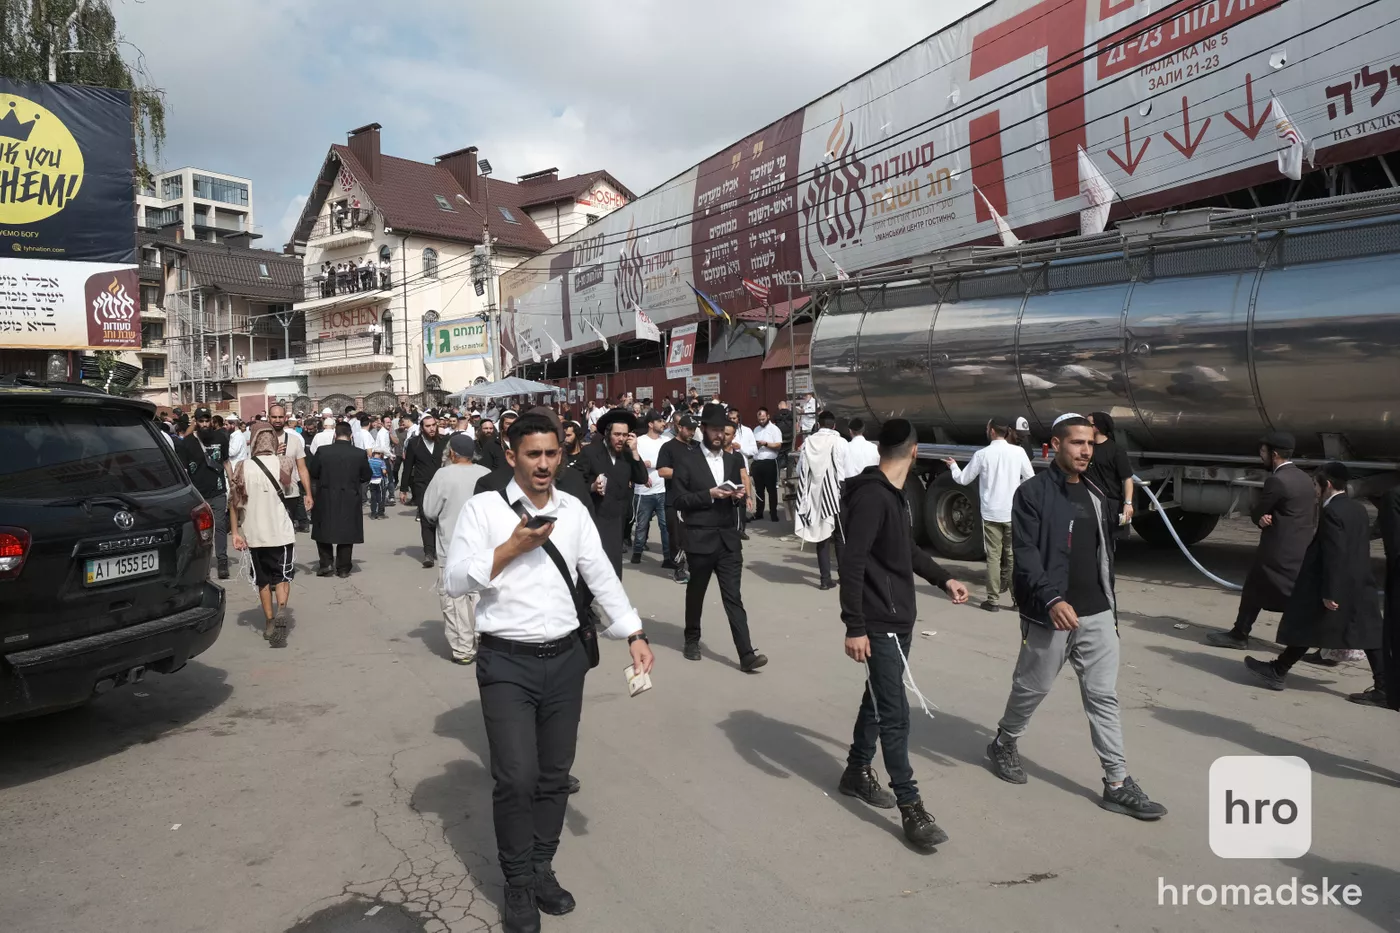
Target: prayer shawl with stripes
(819, 474)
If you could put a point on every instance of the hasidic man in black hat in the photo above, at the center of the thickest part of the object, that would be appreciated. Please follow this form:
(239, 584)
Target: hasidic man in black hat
(709, 497)
(1285, 511)
(611, 467)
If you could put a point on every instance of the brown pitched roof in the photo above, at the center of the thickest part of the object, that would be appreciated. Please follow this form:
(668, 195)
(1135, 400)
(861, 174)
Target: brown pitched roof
(236, 269)
(537, 193)
(404, 194)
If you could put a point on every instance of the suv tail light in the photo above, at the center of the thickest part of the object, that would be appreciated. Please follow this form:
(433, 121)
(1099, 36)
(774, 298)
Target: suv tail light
(203, 518)
(14, 548)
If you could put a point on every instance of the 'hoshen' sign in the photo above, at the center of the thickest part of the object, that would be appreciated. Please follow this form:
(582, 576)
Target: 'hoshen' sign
(67, 218)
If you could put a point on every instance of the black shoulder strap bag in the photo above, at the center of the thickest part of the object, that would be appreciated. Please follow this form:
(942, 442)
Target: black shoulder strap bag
(587, 633)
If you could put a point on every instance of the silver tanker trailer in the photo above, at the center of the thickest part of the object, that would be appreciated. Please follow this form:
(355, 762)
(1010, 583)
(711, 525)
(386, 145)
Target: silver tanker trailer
(1198, 331)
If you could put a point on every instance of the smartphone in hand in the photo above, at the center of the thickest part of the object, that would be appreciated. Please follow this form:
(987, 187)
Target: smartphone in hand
(539, 521)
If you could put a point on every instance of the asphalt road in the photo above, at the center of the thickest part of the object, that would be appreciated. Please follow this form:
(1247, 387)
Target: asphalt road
(342, 784)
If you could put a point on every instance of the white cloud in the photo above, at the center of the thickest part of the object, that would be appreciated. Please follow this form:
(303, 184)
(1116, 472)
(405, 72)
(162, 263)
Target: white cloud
(283, 231)
(644, 89)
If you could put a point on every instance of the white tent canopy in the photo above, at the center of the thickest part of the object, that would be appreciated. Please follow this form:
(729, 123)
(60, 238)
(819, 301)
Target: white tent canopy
(511, 385)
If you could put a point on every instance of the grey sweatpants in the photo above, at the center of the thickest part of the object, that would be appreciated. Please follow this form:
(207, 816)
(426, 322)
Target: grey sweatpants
(1093, 650)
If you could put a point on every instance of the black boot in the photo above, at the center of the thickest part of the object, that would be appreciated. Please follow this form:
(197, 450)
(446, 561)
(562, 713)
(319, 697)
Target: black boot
(549, 896)
(519, 913)
(864, 783)
(223, 568)
(919, 827)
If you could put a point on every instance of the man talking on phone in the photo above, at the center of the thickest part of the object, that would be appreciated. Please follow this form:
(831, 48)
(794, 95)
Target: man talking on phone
(524, 551)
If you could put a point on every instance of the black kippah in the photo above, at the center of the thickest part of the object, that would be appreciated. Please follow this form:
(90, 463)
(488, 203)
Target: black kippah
(895, 432)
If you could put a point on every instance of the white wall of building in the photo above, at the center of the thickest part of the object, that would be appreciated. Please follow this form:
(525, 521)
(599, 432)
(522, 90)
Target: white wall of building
(568, 217)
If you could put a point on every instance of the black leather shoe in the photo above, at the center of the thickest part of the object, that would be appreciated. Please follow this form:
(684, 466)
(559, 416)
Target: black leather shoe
(519, 913)
(752, 662)
(223, 568)
(826, 585)
(636, 557)
(549, 896)
(342, 574)
(324, 572)
(668, 565)
(1230, 639)
(692, 651)
(428, 562)
(574, 785)
(743, 536)
(1265, 671)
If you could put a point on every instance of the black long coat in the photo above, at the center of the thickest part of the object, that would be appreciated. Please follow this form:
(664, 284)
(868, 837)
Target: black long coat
(1390, 535)
(337, 473)
(1337, 566)
(1291, 498)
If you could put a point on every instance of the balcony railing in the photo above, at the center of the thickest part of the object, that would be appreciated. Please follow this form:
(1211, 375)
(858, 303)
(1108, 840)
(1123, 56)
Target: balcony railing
(336, 350)
(336, 282)
(347, 224)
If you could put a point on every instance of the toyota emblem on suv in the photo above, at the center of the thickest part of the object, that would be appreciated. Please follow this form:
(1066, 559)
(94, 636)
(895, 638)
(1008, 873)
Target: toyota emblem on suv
(124, 520)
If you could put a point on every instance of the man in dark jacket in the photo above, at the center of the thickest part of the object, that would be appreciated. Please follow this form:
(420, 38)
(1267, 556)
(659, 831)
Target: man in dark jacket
(204, 452)
(489, 451)
(1334, 603)
(422, 458)
(1389, 520)
(877, 569)
(1285, 512)
(338, 472)
(1062, 548)
(611, 467)
(709, 496)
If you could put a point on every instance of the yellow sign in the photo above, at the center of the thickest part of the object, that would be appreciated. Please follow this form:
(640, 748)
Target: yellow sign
(41, 166)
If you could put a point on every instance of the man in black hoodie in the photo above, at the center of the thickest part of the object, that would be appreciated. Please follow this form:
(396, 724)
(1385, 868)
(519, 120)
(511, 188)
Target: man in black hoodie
(877, 605)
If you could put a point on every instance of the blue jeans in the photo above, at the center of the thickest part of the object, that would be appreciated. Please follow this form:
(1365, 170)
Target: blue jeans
(891, 725)
(376, 498)
(644, 507)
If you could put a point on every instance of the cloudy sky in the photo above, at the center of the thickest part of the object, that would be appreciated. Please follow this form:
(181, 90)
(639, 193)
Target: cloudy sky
(642, 88)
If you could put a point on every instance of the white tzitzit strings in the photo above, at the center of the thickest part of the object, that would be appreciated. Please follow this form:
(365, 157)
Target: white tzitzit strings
(907, 679)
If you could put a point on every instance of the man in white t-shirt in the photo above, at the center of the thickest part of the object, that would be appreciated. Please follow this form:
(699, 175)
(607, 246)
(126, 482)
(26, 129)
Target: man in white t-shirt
(650, 498)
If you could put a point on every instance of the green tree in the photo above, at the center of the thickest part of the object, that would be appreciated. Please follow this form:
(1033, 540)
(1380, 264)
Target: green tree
(77, 42)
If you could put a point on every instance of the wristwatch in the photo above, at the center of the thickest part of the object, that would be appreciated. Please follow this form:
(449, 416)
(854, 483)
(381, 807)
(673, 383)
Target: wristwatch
(638, 636)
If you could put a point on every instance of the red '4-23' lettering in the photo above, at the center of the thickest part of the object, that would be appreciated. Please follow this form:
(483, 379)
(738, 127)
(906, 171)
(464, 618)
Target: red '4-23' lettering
(1057, 26)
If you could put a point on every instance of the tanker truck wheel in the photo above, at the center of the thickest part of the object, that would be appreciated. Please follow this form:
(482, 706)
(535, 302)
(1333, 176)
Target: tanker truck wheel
(1193, 527)
(953, 519)
(914, 492)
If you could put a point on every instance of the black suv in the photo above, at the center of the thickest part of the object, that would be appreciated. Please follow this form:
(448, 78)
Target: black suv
(104, 548)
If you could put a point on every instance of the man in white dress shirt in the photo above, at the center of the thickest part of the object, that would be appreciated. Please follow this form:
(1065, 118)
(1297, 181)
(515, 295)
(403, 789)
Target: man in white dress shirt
(531, 661)
(768, 442)
(999, 469)
(860, 453)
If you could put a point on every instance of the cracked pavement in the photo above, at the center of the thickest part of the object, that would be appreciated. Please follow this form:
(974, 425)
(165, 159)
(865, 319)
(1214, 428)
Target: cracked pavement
(343, 783)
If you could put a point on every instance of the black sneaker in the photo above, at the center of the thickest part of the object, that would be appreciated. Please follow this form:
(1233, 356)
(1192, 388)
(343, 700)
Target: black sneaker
(549, 896)
(1266, 672)
(865, 784)
(692, 651)
(682, 575)
(1230, 639)
(465, 662)
(919, 827)
(519, 913)
(1371, 696)
(991, 606)
(752, 662)
(1006, 761)
(636, 557)
(223, 568)
(1129, 798)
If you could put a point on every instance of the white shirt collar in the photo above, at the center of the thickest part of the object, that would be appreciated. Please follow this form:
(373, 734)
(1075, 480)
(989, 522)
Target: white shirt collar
(1282, 465)
(1328, 501)
(516, 494)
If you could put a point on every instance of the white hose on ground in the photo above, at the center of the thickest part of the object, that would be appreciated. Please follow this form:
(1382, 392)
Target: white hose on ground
(1177, 538)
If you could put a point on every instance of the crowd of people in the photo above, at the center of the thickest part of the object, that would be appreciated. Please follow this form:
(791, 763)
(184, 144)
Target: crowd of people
(529, 513)
(341, 278)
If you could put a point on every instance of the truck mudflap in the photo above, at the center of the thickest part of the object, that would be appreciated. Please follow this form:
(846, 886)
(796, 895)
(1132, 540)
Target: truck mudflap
(69, 673)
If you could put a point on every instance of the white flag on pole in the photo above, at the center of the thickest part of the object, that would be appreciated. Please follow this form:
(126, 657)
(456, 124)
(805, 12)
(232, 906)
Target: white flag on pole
(646, 330)
(534, 354)
(594, 327)
(508, 359)
(1290, 160)
(1003, 229)
(554, 347)
(1097, 191)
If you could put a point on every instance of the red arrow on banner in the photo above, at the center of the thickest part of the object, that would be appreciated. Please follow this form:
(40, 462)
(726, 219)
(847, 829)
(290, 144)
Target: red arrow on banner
(1133, 161)
(1189, 149)
(1250, 129)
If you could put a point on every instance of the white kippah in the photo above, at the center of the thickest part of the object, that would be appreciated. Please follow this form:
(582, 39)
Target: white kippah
(1066, 416)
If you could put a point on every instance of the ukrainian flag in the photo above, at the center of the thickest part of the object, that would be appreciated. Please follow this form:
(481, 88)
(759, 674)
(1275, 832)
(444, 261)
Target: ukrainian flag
(707, 305)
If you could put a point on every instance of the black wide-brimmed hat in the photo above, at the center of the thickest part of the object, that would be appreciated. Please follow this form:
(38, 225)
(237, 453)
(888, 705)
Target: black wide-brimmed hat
(615, 415)
(714, 416)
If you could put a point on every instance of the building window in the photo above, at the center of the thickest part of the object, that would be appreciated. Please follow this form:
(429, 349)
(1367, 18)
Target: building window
(150, 256)
(262, 270)
(152, 330)
(164, 216)
(150, 297)
(430, 262)
(387, 321)
(184, 277)
(218, 189)
(510, 218)
(442, 203)
(173, 188)
(154, 366)
(385, 254)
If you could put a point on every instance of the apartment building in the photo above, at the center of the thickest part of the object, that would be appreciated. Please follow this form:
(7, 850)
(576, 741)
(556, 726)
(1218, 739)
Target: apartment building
(390, 246)
(203, 205)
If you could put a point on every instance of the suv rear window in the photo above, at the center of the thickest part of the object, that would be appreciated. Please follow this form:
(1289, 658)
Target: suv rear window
(51, 453)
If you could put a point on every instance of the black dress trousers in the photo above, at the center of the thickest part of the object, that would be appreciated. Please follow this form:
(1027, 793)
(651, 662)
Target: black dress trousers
(728, 567)
(338, 554)
(426, 528)
(531, 706)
